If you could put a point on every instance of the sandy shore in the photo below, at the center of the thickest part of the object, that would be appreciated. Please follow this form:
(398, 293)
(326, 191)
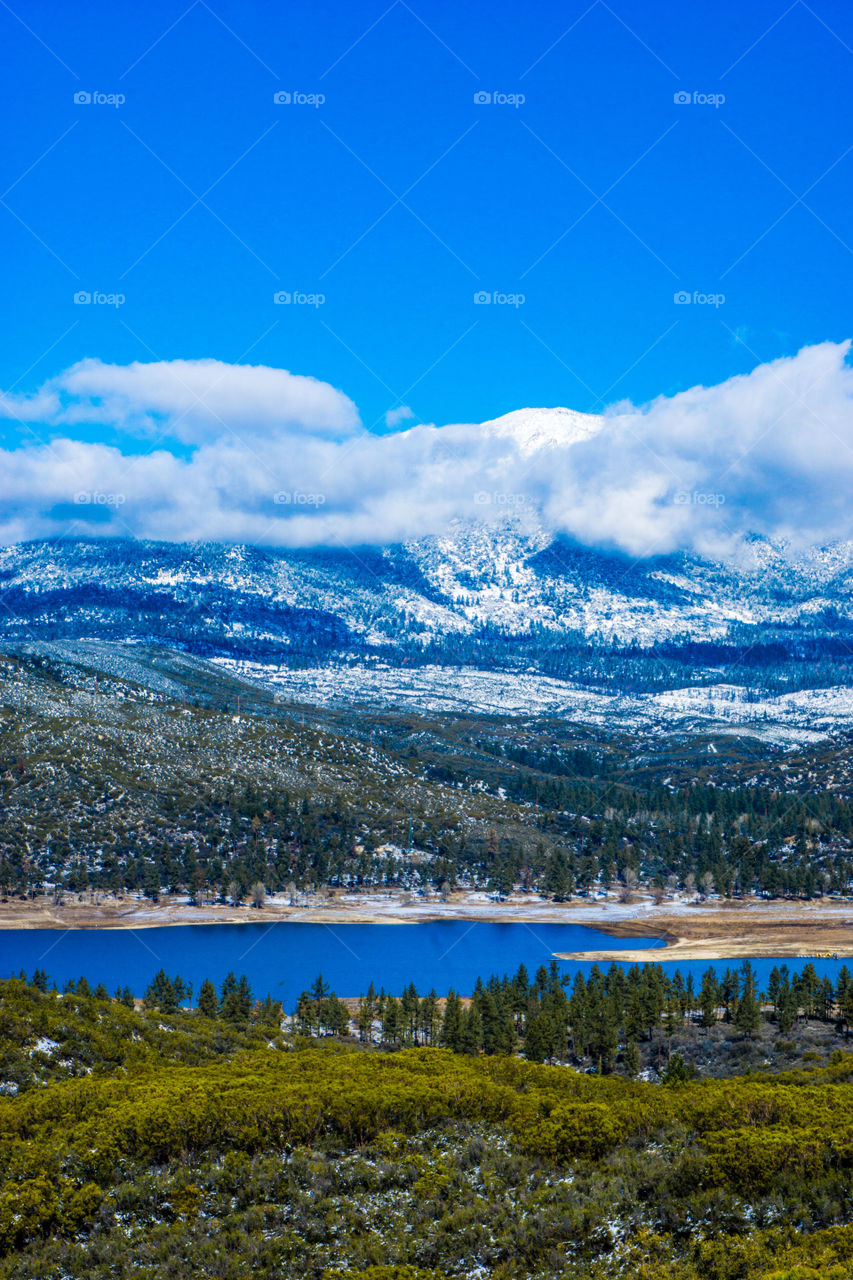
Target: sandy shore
(134, 912)
(687, 930)
(718, 931)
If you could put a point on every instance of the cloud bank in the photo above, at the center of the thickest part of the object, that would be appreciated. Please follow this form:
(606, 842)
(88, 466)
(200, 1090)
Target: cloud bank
(204, 450)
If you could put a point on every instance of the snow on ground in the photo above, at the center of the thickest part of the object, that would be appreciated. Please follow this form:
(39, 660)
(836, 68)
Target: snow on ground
(45, 1045)
(796, 718)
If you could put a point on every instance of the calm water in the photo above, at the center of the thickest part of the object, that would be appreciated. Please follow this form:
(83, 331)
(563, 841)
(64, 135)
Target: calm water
(283, 959)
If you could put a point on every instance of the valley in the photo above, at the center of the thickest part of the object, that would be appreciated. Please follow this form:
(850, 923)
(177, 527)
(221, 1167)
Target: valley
(144, 785)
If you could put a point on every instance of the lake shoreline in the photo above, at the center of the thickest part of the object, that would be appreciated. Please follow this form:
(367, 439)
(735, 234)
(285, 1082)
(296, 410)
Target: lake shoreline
(750, 932)
(687, 929)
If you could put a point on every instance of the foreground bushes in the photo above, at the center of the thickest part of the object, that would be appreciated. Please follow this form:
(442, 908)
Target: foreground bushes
(275, 1157)
(63, 1147)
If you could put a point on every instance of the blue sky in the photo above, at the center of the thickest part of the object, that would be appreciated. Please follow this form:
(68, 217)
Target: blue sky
(400, 197)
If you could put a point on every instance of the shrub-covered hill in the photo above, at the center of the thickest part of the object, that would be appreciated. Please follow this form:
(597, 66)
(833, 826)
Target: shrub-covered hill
(47, 1037)
(248, 1157)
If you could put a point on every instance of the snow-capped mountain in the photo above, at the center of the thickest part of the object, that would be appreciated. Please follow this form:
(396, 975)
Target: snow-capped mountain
(478, 585)
(489, 596)
(535, 429)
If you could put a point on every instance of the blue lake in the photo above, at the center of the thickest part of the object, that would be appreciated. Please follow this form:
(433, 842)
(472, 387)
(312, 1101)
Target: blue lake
(283, 959)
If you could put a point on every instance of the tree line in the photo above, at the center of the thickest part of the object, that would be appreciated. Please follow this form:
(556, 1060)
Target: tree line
(599, 1020)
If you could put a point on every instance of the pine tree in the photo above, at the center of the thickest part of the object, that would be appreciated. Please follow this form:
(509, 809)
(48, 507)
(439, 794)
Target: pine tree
(208, 1005)
(336, 1016)
(365, 1016)
(635, 1025)
(788, 1006)
(269, 1013)
(451, 1022)
(471, 1031)
(677, 1071)
(558, 881)
(307, 1015)
(709, 998)
(392, 1022)
(603, 1031)
(409, 1010)
(245, 998)
(235, 999)
(536, 1037)
(429, 1019)
(748, 1012)
(729, 988)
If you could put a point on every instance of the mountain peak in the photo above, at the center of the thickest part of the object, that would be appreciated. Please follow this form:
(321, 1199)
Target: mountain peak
(534, 429)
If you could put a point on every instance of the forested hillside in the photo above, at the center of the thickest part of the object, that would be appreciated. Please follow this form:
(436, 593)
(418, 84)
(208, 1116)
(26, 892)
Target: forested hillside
(162, 780)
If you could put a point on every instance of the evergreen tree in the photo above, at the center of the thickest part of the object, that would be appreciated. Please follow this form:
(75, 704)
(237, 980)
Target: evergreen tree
(677, 1071)
(451, 1023)
(165, 993)
(471, 1031)
(208, 1005)
(559, 878)
(748, 1012)
(235, 1002)
(269, 1013)
(392, 1022)
(787, 1007)
(245, 998)
(709, 998)
(336, 1016)
(366, 1013)
(536, 1037)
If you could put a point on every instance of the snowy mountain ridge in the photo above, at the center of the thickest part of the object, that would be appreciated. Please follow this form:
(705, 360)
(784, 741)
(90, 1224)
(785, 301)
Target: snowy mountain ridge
(488, 580)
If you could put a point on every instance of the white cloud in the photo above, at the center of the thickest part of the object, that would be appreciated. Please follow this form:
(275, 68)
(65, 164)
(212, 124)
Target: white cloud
(394, 417)
(276, 458)
(191, 400)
